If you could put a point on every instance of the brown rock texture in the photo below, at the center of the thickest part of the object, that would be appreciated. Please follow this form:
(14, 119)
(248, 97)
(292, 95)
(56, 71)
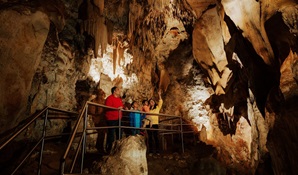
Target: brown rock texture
(228, 67)
(21, 50)
(128, 156)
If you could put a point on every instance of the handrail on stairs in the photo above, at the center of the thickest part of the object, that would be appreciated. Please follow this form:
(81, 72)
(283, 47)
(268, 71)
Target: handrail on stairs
(83, 116)
(83, 113)
(43, 113)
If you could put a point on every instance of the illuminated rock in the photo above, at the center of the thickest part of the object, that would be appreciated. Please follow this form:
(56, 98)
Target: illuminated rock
(128, 156)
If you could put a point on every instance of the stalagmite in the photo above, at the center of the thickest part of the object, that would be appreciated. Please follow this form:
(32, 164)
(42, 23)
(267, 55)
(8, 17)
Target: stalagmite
(164, 80)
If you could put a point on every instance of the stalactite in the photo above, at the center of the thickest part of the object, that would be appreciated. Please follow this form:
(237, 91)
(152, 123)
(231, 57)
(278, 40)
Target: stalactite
(110, 27)
(131, 19)
(115, 45)
(120, 52)
(100, 5)
(101, 35)
(104, 41)
(94, 23)
(96, 35)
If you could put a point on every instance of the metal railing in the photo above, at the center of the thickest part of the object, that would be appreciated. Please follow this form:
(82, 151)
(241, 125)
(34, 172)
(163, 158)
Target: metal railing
(45, 114)
(83, 117)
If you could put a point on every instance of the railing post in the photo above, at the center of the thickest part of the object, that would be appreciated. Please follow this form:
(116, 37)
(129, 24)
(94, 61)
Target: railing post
(181, 130)
(172, 134)
(62, 166)
(119, 124)
(42, 142)
(84, 137)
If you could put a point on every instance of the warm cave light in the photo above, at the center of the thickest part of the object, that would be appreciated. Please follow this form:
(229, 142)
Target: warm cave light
(198, 110)
(104, 65)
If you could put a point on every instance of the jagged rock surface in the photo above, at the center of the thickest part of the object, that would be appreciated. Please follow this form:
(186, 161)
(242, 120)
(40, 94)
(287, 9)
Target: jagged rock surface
(128, 156)
(200, 53)
(21, 50)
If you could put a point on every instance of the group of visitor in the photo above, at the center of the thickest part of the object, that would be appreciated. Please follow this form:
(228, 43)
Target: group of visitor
(138, 118)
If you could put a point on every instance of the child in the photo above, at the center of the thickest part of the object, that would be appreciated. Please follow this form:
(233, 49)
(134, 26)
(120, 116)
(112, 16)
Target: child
(145, 108)
(135, 118)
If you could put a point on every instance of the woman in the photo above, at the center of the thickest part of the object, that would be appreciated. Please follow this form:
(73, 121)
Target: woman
(154, 121)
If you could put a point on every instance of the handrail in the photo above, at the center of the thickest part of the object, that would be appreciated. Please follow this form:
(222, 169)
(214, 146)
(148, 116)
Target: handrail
(124, 110)
(63, 159)
(23, 128)
(34, 117)
(76, 154)
(61, 110)
(82, 141)
(30, 122)
(27, 155)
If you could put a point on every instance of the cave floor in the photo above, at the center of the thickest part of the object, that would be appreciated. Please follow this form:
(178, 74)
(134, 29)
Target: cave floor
(197, 159)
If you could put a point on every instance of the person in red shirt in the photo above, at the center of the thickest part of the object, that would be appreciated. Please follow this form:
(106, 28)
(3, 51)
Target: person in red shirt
(113, 115)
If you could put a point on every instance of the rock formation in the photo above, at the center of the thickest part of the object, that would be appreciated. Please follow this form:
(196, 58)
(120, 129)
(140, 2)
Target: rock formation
(128, 156)
(229, 67)
(21, 50)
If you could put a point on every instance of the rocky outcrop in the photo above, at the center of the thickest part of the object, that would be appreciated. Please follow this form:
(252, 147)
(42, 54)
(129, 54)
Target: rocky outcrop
(128, 156)
(288, 79)
(21, 50)
(40, 67)
(282, 112)
(228, 30)
(63, 66)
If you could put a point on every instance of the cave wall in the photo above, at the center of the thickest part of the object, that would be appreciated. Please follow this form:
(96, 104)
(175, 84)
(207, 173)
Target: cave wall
(248, 77)
(211, 60)
(21, 50)
(42, 60)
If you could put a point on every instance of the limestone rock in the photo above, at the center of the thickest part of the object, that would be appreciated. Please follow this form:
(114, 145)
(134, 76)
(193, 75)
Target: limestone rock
(241, 52)
(288, 78)
(128, 157)
(20, 50)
